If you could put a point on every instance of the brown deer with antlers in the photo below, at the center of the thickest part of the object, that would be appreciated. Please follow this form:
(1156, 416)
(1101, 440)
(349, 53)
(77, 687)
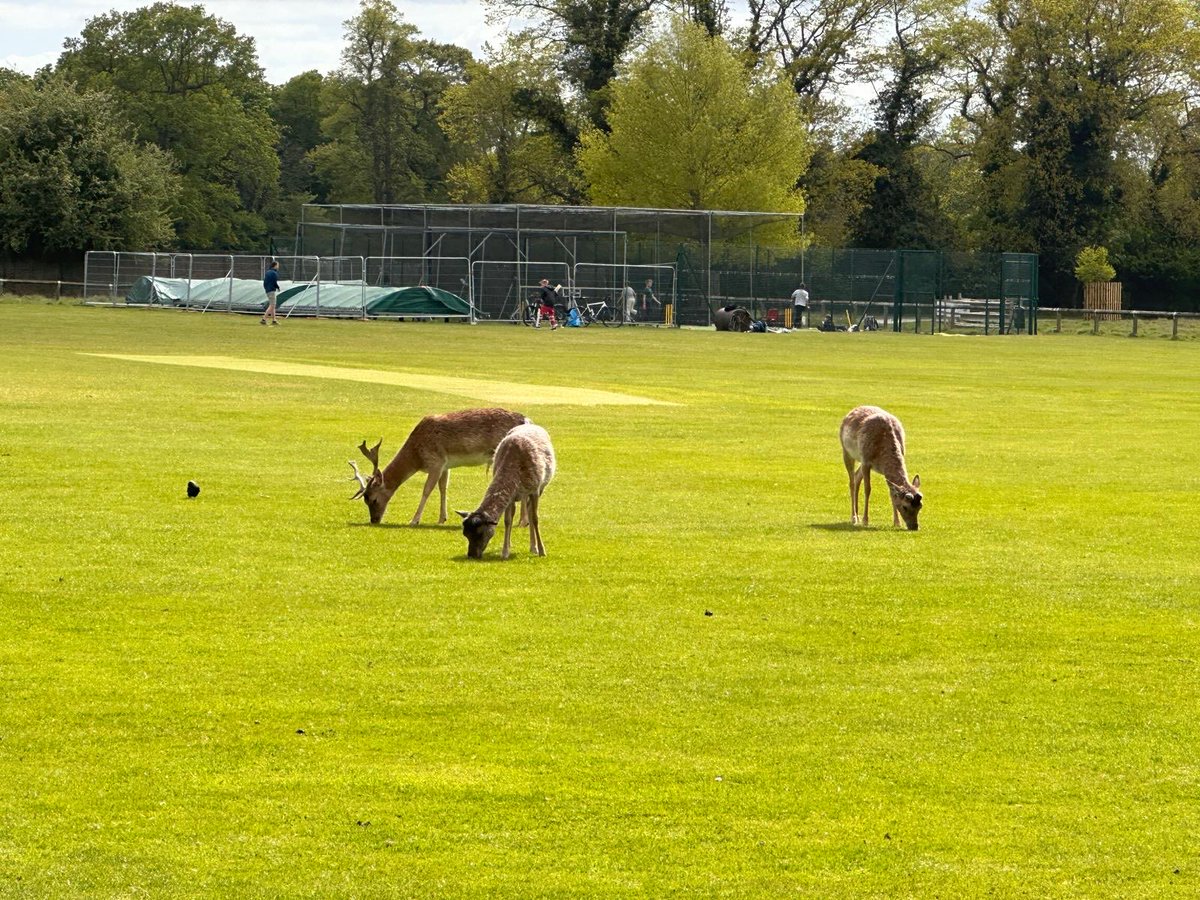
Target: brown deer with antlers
(875, 438)
(436, 445)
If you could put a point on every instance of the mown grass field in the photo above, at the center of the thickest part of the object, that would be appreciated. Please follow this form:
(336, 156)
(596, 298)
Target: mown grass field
(255, 694)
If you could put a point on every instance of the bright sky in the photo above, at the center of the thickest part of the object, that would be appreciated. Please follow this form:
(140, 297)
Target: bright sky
(292, 36)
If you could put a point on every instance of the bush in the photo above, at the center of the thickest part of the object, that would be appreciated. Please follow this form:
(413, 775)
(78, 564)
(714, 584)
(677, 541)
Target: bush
(1091, 265)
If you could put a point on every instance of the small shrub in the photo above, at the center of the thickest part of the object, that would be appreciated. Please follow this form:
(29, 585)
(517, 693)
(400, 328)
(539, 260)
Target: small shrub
(1091, 265)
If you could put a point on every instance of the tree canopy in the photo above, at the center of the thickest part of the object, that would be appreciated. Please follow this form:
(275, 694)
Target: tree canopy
(71, 180)
(384, 143)
(1045, 126)
(509, 153)
(693, 128)
(191, 85)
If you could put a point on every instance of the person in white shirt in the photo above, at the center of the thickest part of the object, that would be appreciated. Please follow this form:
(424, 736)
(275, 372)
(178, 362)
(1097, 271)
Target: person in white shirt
(629, 301)
(799, 306)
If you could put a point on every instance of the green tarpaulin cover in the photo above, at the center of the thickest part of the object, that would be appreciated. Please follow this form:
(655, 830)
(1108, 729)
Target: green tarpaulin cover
(298, 299)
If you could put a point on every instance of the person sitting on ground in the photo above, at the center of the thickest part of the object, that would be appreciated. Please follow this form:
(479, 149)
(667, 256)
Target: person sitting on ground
(547, 297)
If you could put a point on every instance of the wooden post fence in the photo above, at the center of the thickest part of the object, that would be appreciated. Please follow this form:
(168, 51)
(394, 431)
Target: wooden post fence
(1103, 295)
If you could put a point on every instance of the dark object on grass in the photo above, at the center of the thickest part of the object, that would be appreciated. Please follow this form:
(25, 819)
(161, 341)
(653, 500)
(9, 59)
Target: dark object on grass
(708, 612)
(193, 489)
(731, 318)
(827, 324)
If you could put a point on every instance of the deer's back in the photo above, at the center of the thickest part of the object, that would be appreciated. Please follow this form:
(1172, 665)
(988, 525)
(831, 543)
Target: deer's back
(526, 455)
(869, 433)
(467, 437)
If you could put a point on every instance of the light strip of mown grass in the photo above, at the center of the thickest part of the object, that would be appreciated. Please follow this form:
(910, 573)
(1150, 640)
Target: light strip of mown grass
(255, 693)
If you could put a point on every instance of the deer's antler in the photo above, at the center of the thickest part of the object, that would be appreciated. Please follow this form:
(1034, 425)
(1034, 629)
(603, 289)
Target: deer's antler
(372, 454)
(362, 482)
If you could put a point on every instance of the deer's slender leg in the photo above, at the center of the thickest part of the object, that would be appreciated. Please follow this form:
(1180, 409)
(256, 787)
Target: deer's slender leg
(849, 461)
(508, 517)
(866, 478)
(443, 483)
(432, 480)
(535, 532)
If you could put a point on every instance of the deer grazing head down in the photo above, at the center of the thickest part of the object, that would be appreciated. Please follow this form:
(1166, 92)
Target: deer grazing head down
(373, 491)
(906, 501)
(524, 464)
(872, 438)
(479, 531)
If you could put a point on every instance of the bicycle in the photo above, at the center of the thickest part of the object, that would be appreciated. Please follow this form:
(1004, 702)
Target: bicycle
(600, 311)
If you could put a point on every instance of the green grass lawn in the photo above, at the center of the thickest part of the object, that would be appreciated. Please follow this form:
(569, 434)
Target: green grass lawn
(254, 693)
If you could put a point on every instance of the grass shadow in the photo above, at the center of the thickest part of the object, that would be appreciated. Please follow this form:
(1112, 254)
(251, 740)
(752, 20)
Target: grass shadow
(449, 526)
(840, 526)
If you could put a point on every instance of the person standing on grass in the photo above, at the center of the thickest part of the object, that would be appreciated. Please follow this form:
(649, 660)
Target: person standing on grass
(629, 302)
(271, 286)
(799, 305)
(648, 296)
(547, 297)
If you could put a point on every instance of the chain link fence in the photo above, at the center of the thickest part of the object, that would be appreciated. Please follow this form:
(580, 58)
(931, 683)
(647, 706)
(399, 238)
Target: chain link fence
(682, 265)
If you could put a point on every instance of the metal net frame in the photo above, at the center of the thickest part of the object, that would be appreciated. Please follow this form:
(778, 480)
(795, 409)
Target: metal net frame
(593, 252)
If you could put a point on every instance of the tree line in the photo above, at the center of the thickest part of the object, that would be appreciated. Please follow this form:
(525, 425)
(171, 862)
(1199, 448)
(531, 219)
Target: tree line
(1041, 126)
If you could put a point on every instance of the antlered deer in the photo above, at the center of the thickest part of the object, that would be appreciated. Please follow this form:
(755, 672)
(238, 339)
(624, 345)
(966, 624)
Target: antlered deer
(875, 438)
(523, 466)
(436, 445)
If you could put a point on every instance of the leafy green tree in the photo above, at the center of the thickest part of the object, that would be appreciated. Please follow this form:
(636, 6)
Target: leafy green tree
(384, 141)
(837, 187)
(1092, 265)
(296, 111)
(70, 178)
(509, 154)
(1060, 93)
(9, 77)
(591, 38)
(190, 84)
(904, 208)
(693, 129)
(1158, 239)
(821, 45)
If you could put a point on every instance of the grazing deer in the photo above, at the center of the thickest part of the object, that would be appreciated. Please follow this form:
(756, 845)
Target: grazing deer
(875, 438)
(523, 466)
(436, 445)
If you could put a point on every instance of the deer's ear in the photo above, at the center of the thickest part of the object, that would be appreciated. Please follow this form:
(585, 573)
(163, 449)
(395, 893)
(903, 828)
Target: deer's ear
(461, 513)
(916, 482)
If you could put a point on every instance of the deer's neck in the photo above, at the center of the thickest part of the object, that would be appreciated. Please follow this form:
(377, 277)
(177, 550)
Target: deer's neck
(496, 499)
(890, 464)
(402, 467)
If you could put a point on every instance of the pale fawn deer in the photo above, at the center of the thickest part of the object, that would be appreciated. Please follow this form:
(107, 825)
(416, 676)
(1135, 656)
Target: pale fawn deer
(875, 438)
(523, 466)
(436, 445)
